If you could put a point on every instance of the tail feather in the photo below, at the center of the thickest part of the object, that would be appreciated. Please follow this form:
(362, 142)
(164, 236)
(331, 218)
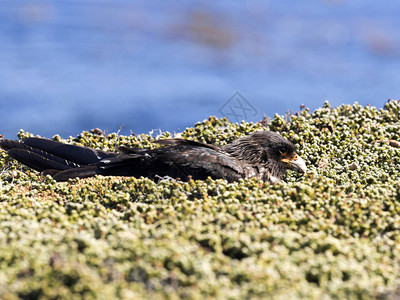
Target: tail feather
(43, 154)
(77, 154)
(10, 144)
(36, 161)
(81, 172)
(23, 152)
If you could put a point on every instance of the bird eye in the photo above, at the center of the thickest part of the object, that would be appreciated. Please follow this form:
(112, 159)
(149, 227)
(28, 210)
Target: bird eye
(296, 157)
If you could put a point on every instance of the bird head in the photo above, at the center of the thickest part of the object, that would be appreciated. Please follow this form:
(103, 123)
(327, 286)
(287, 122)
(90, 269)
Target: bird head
(280, 151)
(269, 150)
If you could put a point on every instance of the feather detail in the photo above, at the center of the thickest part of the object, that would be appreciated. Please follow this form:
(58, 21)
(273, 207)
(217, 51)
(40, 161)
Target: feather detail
(256, 155)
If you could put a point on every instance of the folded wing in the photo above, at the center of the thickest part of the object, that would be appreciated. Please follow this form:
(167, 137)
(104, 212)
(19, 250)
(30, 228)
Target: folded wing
(177, 158)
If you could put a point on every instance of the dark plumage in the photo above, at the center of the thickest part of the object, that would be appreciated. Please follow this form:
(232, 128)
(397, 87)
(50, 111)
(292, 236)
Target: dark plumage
(263, 154)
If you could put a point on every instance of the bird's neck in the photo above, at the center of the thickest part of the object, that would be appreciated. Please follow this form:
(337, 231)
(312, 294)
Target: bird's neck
(245, 152)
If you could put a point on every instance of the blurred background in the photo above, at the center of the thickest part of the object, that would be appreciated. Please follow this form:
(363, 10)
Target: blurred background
(68, 66)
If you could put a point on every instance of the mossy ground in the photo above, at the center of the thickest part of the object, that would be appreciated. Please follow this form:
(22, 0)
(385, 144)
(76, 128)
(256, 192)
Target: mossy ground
(331, 234)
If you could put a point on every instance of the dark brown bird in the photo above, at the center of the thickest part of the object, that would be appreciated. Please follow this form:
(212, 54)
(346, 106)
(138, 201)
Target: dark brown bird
(263, 154)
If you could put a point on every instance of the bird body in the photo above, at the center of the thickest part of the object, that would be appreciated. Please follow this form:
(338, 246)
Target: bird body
(263, 154)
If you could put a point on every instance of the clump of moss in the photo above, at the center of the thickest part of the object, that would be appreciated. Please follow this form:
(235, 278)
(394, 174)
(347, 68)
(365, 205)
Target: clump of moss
(331, 234)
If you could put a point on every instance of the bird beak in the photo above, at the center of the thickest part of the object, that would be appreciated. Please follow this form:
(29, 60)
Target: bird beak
(296, 164)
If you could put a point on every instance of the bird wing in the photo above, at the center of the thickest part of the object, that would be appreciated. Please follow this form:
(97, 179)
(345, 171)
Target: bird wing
(183, 142)
(177, 160)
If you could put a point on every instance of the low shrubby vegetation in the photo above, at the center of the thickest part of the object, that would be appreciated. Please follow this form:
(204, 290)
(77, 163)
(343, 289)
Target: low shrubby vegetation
(331, 234)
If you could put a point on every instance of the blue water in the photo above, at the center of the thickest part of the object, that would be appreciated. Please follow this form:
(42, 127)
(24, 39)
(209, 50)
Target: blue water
(68, 66)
